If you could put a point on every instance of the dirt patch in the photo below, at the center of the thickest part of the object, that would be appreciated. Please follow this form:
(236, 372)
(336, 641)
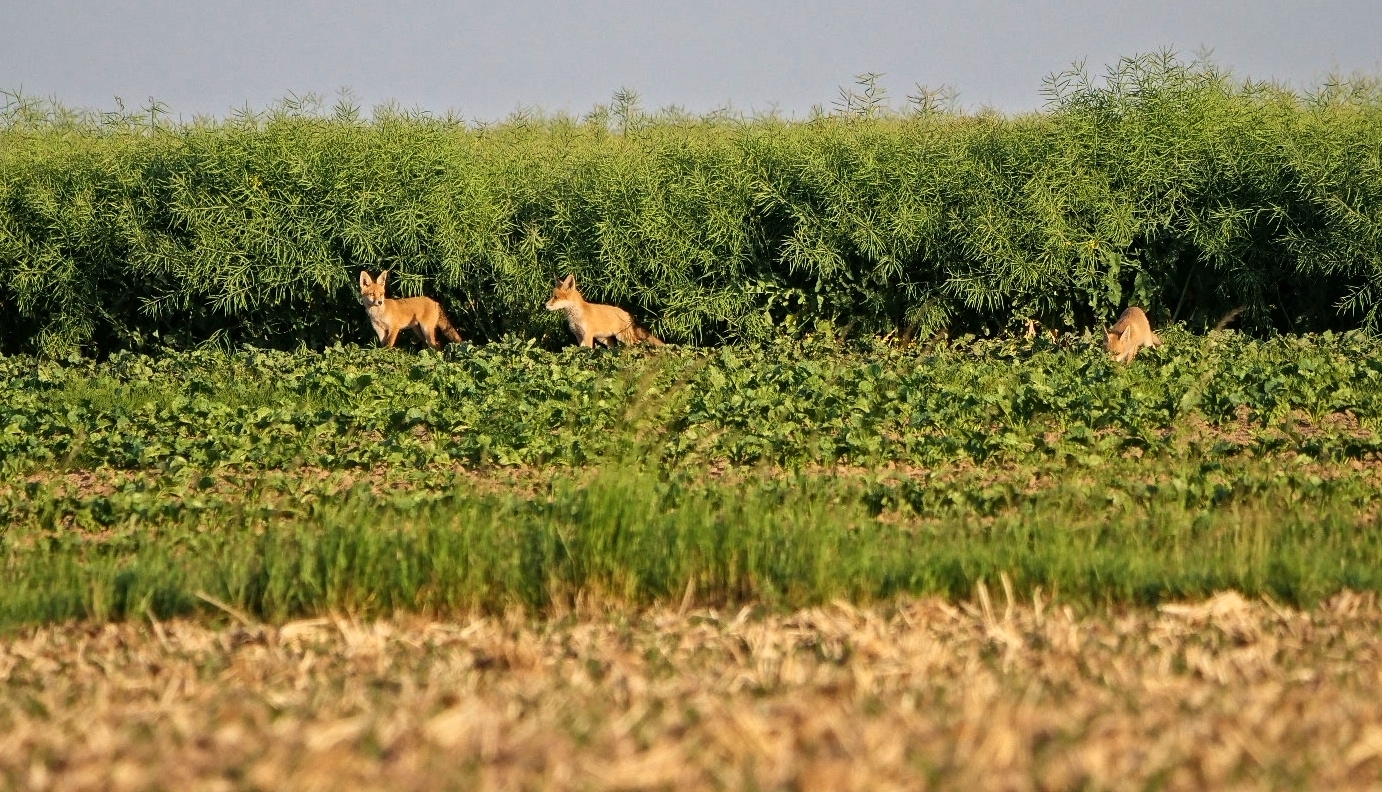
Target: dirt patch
(231, 481)
(1296, 429)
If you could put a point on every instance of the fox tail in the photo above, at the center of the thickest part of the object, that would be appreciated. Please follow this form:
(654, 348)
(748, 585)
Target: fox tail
(447, 329)
(1228, 317)
(642, 334)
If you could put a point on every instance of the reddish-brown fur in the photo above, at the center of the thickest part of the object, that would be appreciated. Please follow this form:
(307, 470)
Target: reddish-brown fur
(1129, 334)
(423, 315)
(592, 322)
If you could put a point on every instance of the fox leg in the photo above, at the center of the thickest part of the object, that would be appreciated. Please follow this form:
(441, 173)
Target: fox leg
(428, 335)
(392, 337)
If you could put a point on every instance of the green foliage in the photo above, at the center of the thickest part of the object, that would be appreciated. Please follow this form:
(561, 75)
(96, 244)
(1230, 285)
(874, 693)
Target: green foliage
(786, 473)
(1166, 184)
(789, 404)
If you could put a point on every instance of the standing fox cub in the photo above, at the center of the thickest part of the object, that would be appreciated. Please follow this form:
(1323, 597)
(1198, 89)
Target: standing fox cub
(1131, 333)
(423, 315)
(593, 322)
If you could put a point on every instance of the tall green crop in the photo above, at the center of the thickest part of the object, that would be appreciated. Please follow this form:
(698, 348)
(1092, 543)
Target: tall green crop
(1165, 184)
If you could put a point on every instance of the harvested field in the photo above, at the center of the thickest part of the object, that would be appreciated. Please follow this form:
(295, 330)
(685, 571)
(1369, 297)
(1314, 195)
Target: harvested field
(1218, 694)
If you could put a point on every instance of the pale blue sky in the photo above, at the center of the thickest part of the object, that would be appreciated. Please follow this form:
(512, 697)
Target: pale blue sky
(486, 59)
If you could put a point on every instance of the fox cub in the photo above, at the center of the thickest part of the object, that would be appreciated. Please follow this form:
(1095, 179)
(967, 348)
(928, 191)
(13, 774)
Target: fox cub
(1131, 333)
(423, 315)
(593, 322)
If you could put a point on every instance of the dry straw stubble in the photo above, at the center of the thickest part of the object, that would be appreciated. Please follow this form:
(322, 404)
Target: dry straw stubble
(1224, 693)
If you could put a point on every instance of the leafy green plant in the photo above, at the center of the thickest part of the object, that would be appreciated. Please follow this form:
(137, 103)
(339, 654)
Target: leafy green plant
(818, 401)
(789, 472)
(1165, 183)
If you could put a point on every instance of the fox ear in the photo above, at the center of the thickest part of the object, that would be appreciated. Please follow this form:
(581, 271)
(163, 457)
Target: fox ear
(1127, 334)
(570, 282)
(382, 276)
(365, 279)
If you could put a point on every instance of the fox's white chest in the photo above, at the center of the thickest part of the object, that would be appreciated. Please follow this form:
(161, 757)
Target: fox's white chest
(575, 319)
(379, 319)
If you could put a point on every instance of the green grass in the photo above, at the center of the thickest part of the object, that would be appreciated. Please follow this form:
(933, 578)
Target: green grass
(285, 547)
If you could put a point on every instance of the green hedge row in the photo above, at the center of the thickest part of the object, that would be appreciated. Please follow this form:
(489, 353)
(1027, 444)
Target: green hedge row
(1165, 184)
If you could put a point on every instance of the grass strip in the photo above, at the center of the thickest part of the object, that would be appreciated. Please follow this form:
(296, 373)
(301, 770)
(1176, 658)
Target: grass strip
(1126, 533)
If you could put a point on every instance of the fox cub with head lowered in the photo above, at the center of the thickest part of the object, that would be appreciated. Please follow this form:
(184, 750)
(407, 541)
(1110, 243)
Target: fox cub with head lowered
(593, 322)
(422, 315)
(1129, 334)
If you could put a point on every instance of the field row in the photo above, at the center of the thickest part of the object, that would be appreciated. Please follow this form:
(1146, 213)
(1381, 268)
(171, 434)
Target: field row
(1000, 691)
(285, 545)
(816, 402)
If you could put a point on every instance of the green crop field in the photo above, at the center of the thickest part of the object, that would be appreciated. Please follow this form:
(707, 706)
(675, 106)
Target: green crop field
(291, 483)
(242, 548)
(849, 407)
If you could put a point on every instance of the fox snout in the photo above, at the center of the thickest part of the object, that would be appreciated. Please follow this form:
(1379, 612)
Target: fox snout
(564, 294)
